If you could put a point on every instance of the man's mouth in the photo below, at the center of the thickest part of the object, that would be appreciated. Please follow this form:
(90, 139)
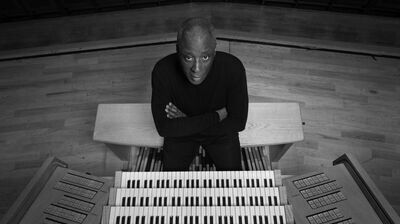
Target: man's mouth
(196, 77)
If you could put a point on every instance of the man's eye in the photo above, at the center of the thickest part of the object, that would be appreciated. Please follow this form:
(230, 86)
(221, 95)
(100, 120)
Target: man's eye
(188, 58)
(205, 58)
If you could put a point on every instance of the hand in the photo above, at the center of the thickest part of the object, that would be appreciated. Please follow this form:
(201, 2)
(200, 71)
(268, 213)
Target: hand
(222, 113)
(173, 111)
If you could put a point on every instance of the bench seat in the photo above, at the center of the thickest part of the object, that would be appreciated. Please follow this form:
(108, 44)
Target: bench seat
(129, 126)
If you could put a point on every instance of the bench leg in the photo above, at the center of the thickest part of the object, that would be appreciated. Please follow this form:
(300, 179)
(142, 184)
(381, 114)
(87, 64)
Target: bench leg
(128, 155)
(277, 151)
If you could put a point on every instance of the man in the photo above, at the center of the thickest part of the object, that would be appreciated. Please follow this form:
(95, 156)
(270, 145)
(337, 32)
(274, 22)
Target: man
(199, 97)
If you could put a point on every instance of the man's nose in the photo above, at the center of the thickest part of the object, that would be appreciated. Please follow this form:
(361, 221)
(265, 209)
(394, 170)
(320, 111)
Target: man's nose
(196, 66)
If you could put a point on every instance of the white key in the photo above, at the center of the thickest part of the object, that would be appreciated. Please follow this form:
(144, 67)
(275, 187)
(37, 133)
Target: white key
(112, 215)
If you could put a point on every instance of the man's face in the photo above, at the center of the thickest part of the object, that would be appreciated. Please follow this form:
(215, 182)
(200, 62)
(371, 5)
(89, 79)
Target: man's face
(196, 55)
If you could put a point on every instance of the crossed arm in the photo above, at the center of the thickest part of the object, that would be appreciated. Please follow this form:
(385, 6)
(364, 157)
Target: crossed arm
(173, 112)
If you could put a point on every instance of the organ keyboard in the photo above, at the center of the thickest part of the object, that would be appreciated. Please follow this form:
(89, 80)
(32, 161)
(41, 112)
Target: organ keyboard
(225, 197)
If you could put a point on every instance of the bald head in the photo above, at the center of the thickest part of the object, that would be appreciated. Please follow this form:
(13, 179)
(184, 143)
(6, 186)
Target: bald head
(195, 30)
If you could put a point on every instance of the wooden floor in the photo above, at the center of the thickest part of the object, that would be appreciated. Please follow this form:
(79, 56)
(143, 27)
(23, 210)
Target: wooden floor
(349, 103)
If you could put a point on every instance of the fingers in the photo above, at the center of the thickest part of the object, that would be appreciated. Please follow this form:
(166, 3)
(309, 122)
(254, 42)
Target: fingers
(173, 112)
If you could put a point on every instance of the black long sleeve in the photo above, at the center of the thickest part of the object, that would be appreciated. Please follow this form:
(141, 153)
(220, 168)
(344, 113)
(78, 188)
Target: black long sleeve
(225, 86)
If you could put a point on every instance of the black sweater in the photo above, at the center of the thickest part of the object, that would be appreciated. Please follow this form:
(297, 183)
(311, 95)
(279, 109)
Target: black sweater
(224, 86)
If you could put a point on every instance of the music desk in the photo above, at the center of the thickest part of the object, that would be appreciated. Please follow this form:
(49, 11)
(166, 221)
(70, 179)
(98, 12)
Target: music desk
(125, 127)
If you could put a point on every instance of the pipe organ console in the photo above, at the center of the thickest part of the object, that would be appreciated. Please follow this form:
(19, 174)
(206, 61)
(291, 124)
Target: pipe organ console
(341, 194)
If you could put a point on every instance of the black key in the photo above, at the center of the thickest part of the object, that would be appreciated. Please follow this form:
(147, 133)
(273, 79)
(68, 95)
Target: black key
(204, 183)
(270, 183)
(227, 183)
(151, 219)
(128, 220)
(276, 200)
(246, 220)
(210, 183)
(123, 201)
(240, 219)
(211, 202)
(138, 184)
(176, 219)
(118, 220)
(162, 219)
(151, 184)
(191, 220)
(171, 220)
(223, 201)
(175, 184)
(137, 220)
(158, 184)
(262, 201)
(226, 220)
(185, 220)
(251, 201)
(266, 219)
(252, 183)
(231, 218)
(179, 201)
(254, 219)
(237, 201)
(220, 219)
(128, 184)
(186, 201)
(147, 201)
(229, 201)
(258, 183)
(173, 201)
(154, 201)
(260, 219)
(180, 183)
(265, 183)
(234, 183)
(143, 219)
(197, 183)
(197, 201)
(270, 200)
(187, 183)
(160, 201)
(165, 201)
(222, 183)
(281, 219)
(218, 201)
(157, 219)
(128, 202)
(205, 201)
(145, 183)
(217, 183)
(191, 201)
(211, 220)
(275, 220)
(197, 220)
(243, 201)
(248, 184)
(141, 201)
(256, 200)
(167, 183)
(205, 220)
(134, 201)
(240, 183)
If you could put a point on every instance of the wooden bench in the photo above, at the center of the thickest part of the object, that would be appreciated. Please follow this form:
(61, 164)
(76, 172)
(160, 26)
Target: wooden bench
(126, 127)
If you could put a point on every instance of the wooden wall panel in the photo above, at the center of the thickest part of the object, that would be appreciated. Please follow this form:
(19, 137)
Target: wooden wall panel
(272, 24)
